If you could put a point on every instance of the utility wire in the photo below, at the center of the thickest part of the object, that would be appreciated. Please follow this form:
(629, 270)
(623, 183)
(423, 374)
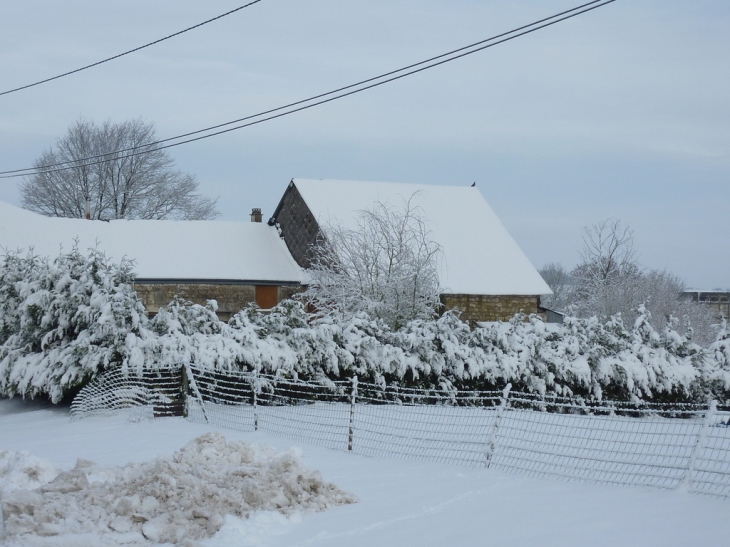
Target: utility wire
(130, 51)
(331, 95)
(381, 76)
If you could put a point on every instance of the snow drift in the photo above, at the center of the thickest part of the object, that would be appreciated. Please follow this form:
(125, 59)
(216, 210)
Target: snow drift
(168, 500)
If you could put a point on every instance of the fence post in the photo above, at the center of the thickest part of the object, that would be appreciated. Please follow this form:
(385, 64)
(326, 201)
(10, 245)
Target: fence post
(255, 387)
(492, 439)
(353, 395)
(194, 386)
(184, 386)
(686, 481)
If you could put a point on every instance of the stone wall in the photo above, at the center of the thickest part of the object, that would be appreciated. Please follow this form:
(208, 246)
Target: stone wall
(298, 226)
(477, 307)
(288, 291)
(231, 298)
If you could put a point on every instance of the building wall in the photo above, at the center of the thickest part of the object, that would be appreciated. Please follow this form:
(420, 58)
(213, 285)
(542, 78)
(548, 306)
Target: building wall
(478, 307)
(298, 225)
(231, 298)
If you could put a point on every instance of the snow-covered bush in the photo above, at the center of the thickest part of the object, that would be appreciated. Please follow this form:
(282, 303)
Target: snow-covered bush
(63, 321)
(582, 357)
(716, 368)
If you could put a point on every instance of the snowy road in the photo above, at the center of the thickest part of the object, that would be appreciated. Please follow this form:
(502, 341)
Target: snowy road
(401, 502)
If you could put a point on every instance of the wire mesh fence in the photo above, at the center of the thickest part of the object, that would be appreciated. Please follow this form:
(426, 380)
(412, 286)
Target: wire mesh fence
(679, 446)
(153, 393)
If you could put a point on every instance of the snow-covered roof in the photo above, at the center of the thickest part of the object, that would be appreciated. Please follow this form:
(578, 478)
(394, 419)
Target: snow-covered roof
(479, 255)
(203, 250)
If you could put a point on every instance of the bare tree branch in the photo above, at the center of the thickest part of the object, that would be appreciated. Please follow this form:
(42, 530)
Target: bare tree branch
(145, 186)
(387, 267)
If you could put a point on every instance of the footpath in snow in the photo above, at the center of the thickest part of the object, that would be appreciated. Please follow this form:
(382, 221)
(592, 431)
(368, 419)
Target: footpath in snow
(400, 502)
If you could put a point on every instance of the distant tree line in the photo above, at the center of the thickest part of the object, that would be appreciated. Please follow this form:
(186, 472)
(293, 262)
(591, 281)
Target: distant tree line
(609, 280)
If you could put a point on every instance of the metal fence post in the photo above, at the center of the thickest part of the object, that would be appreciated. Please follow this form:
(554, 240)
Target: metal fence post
(492, 439)
(351, 432)
(686, 481)
(255, 388)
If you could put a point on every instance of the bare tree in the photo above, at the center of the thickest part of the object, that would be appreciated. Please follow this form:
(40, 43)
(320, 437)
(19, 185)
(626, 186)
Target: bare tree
(608, 247)
(559, 281)
(609, 280)
(144, 185)
(387, 267)
(608, 277)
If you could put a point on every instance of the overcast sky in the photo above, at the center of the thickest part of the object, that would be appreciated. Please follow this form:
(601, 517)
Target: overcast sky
(623, 112)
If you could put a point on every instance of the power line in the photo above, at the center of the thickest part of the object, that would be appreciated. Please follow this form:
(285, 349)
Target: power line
(321, 98)
(315, 97)
(131, 50)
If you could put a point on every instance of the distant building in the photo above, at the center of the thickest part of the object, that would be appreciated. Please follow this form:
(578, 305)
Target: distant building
(718, 300)
(484, 273)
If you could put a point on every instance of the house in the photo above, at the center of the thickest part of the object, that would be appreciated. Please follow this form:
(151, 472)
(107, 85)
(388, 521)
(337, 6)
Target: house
(234, 263)
(483, 271)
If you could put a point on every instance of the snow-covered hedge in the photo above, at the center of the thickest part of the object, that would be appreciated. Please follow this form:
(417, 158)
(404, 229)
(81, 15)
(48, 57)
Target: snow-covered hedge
(62, 322)
(582, 357)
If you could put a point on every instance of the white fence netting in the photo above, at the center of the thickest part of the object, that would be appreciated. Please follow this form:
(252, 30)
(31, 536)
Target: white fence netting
(153, 393)
(662, 445)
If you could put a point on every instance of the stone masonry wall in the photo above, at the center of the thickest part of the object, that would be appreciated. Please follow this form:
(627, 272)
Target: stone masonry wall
(231, 298)
(288, 291)
(476, 307)
(298, 225)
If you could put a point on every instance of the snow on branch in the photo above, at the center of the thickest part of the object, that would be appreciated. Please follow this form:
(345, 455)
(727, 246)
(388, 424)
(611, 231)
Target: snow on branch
(387, 267)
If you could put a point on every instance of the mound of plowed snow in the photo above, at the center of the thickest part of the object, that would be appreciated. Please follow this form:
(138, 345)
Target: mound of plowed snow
(166, 500)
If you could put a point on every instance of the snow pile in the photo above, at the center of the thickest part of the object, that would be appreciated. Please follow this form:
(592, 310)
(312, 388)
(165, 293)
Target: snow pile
(21, 470)
(169, 500)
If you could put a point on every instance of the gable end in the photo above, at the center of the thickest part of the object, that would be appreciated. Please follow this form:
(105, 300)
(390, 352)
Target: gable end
(298, 226)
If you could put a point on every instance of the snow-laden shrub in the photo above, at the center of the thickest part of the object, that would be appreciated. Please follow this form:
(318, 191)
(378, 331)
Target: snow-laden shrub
(581, 357)
(63, 321)
(716, 368)
(585, 357)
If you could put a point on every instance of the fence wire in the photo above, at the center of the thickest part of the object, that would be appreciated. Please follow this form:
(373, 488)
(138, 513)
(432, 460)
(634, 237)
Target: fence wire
(152, 393)
(677, 446)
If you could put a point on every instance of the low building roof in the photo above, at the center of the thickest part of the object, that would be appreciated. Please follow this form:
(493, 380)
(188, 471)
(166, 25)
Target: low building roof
(479, 255)
(163, 250)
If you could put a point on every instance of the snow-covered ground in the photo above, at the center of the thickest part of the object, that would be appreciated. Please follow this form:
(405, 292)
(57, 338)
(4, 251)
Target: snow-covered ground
(401, 502)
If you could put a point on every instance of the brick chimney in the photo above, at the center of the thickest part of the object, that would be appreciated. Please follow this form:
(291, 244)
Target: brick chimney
(255, 214)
